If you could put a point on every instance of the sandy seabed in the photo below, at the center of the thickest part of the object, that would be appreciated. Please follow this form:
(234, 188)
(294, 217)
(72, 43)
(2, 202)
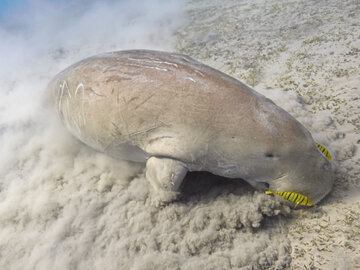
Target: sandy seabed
(65, 206)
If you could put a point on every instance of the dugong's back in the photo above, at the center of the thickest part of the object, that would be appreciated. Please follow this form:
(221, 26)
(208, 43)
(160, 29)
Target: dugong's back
(136, 104)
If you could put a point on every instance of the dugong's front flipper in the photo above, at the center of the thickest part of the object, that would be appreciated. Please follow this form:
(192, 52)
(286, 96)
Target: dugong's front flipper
(165, 176)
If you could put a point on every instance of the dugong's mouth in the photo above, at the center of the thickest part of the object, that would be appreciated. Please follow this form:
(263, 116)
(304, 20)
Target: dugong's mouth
(293, 197)
(284, 184)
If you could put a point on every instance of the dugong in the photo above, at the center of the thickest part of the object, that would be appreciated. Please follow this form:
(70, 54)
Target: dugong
(177, 115)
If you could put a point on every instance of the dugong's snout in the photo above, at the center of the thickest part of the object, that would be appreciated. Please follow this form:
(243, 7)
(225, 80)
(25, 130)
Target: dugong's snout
(321, 180)
(313, 178)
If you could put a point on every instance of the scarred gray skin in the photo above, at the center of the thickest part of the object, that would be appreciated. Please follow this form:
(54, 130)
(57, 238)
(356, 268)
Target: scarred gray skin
(179, 115)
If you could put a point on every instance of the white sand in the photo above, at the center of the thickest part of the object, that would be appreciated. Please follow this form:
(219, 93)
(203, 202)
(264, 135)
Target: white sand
(65, 206)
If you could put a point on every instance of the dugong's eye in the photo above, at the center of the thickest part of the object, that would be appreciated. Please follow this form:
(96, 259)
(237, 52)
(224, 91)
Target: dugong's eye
(269, 155)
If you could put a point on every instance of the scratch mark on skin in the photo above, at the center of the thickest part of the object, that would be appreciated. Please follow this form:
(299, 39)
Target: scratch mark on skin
(132, 73)
(186, 60)
(81, 85)
(159, 138)
(94, 92)
(144, 101)
(147, 130)
(130, 100)
(167, 63)
(117, 79)
(117, 130)
(149, 67)
(110, 69)
(144, 131)
(191, 79)
(123, 119)
(150, 60)
(67, 87)
(164, 124)
(198, 72)
(280, 177)
(116, 134)
(67, 105)
(61, 92)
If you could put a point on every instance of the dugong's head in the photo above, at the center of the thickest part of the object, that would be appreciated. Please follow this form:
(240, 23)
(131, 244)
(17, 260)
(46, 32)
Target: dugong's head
(303, 170)
(279, 151)
(293, 160)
